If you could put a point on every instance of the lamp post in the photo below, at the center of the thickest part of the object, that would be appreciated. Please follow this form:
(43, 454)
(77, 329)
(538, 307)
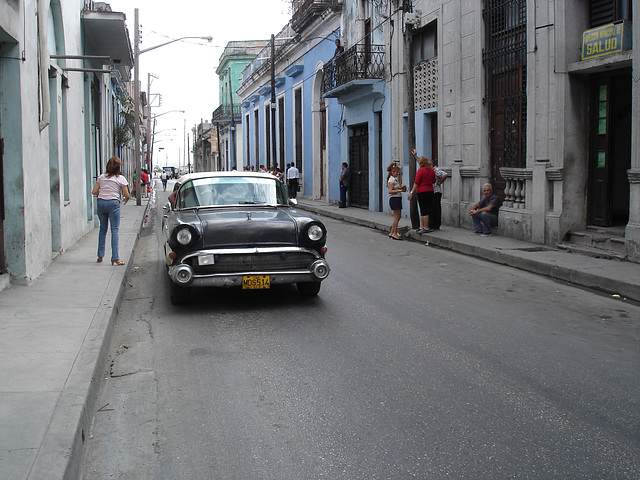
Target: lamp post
(149, 117)
(153, 140)
(136, 93)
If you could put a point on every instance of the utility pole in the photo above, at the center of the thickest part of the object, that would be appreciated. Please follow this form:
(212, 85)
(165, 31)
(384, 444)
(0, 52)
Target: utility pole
(232, 128)
(149, 151)
(410, 108)
(136, 101)
(273, 101)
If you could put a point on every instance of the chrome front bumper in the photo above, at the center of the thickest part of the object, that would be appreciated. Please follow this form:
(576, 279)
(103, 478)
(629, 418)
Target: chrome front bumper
(183, 274)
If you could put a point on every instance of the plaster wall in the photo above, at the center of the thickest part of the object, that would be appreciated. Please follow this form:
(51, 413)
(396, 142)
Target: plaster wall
(42, 162)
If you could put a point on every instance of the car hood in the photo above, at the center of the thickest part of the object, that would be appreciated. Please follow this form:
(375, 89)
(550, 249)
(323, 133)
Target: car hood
(247, 227)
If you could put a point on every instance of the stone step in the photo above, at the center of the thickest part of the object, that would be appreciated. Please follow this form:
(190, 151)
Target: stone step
(598, 239)
(592, 251)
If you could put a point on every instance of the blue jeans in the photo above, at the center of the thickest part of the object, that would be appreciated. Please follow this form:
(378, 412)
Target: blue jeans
(483, 221)
(109, 212)
(343, 194)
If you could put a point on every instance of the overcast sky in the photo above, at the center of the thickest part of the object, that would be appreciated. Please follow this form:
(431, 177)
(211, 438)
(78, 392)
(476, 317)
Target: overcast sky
(186, 70)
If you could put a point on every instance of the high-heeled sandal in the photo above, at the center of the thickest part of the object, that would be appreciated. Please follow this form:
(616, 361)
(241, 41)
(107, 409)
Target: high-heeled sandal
(99, 259)
(117, 262)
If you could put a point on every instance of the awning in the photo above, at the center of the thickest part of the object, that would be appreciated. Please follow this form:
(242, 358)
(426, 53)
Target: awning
(106, 34)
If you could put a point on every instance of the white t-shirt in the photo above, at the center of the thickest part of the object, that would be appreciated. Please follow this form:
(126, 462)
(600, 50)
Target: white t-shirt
(394, 183)
(111, 187)
(292, 173)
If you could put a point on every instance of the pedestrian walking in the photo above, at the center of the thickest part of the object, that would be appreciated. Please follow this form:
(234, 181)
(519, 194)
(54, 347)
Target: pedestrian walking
(293, 180)
(164, 177)
(109, 188)
(144, 179)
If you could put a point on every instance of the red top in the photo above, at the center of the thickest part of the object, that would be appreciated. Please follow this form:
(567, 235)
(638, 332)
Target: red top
(425, 178)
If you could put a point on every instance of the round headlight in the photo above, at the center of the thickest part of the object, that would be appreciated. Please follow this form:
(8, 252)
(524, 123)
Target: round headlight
(315, 233)
(184, 236)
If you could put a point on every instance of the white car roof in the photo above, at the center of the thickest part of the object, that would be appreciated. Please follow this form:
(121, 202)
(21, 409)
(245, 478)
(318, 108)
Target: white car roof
(193, 176)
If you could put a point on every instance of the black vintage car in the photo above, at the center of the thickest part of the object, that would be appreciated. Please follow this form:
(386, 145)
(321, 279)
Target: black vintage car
(239, 229)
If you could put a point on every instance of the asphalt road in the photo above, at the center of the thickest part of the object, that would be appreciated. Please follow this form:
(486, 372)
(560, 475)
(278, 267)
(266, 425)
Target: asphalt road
(413, 362)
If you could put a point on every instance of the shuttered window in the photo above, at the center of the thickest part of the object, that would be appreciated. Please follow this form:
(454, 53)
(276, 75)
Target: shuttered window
(602, 12)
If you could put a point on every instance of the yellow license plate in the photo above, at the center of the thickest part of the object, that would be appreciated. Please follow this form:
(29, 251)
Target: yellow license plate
(256, 281)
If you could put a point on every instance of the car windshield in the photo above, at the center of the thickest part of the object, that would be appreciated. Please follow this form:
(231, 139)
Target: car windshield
(217, 191)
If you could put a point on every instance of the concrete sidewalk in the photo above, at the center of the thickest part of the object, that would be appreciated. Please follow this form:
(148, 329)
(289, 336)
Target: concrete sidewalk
(609, 276)
(56, 332)
(53, 347)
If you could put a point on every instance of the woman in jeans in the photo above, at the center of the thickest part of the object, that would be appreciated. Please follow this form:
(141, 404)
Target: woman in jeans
(108, 188)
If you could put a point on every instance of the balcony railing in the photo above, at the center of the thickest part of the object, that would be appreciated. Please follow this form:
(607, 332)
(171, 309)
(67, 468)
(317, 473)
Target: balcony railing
(223, 113)
(359, 62)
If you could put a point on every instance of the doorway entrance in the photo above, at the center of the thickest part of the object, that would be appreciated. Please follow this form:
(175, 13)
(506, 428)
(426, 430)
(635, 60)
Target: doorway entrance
(610, 152)
(3, 263)
(359, 166)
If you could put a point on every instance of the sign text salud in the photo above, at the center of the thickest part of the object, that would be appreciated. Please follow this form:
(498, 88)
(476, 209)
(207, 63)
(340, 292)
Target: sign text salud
(604, 40)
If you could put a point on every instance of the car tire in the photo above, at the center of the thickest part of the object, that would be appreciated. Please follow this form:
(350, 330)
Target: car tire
(308, 289)
(178, 295)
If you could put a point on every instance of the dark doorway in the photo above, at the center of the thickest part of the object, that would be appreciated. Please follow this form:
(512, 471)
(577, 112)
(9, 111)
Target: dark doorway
(610, 152)
(3, 262)
(359, 166)
(297, 114)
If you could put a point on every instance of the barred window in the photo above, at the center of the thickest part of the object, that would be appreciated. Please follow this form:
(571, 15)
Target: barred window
(504, 58)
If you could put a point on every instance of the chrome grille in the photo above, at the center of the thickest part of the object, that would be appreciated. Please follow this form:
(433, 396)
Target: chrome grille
(257, 262)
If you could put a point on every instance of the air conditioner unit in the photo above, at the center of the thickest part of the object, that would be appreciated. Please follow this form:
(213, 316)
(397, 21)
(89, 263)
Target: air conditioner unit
(412, 18)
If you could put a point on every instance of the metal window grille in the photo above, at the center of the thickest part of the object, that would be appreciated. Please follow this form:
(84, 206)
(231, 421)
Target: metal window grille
(504, 58)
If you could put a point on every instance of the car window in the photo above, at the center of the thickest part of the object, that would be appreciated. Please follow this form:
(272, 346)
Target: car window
(217, 191)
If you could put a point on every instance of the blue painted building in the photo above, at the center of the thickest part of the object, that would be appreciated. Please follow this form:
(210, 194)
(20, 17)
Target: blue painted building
(358, 81)
(285, 117)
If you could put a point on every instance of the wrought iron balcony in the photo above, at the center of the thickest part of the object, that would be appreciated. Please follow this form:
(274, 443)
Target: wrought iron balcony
(305, 11)
(222, 114)
(360, 62)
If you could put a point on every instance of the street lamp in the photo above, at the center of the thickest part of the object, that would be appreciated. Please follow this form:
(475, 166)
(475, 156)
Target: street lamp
(149, 116)
(136, 92)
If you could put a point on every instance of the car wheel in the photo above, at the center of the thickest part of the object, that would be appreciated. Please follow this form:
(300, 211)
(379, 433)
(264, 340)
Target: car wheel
(178, 295)
(308, 289)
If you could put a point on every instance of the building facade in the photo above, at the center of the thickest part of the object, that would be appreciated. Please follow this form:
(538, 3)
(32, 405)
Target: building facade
(359, 80)
(538, 99)
(285, 118)
(59, 111)
(205, 142)
(227, 118)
